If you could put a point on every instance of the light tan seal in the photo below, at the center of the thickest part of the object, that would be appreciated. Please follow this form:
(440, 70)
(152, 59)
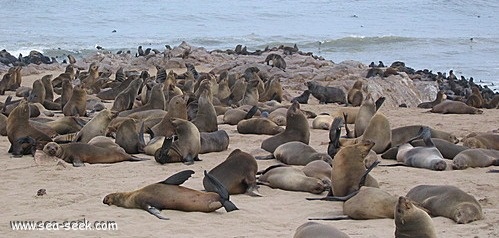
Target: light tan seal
(78, 153)
(447, 201)
(291, 179)
(185, 149)
(454, 107)
(475, 158)
(440, 98)
(298, 153)
(401, 135)
(482, 140)
(355, 96)
(77, 104)
(411, 221)
(366, 112)
(125, 99)
(348, 168)
(317, 230)
(168, 194)
(156, 101)
(297, 129)
(237, 173)
(97, 126)
(206, 117)
(322, 121)
(18, 127)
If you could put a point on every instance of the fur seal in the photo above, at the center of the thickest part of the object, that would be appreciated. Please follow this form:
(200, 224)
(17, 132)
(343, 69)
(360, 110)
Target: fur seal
(317, 230)
(482, 140)
(411, 221)
(427, 156)
(297, 129)
(185, 149)
(168, 194)
(18, 127)
(348, 168)
(475, 158)
(454, 107)
(302, 98)
(319, 169)
(277, 61)
(77, 104)
(214, 141)
(97, 126)
(156, 101)
(234, 115)
(125, 99)
(78, 153)
(177, 108)
(237, 173)
(128, 139)
(298, 153)
(366, 112)
(354, 95)
(322, 121)
(475, 99)
(259, 126)
(440, 98)
(378, 131)
(447, 149)
(447, 201)
(273, 91)
(291, 179)
(326, 94)
(370, 203)
(206, 117)
(403, 134)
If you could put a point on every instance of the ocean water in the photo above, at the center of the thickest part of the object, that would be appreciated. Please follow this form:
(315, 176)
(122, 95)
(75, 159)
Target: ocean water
(439, 35)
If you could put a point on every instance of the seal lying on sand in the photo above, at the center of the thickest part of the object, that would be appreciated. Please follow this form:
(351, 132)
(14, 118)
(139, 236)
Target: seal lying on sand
(454, 107)
(291, 179)
(317, 230)
(411, 221)
(168, 194)
(475, 158)
(447, 201)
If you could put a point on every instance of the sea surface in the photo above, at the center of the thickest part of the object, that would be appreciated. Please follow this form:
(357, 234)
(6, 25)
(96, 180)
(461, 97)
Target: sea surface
(439, 35)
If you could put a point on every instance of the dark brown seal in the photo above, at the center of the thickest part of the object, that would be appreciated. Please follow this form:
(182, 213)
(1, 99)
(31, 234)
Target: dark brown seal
(326, 94)
(184, 149)
(168, 194)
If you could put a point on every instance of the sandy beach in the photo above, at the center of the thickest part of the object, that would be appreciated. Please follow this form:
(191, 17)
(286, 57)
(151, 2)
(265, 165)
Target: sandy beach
(76, 193)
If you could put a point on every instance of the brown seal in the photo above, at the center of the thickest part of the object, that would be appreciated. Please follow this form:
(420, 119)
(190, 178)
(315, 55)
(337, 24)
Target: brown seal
(237, 173)
(37, 94)
(206, 117)
(378, 130)
(18, 127)
(319, 169)
(366, 112)
(214, 141)
(475, 158)
(401, 135)
(259, 126)
(317, 230)
(482, 140)
(454, 107)
(291, 179)
(156, 101)
(475, 99)
(427, 156)
(234, 115)
(279, 116)
(77, 104)
(447, 201)
(370, 203)
(97, 126)
(440, 98)
(326, 94)
(78, 153)
(297, 129)
(184, 149)
(348, 168)
(251, 94)
(354, 95)
(128, 139)
(411, 221)
(277, 61)
(273, 91)
(299, 153)
(125, 99)
(66, 92)
(168, 194)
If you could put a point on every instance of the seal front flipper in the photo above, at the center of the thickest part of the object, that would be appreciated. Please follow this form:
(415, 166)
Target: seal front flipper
(154, 211)
(251, 112)
(337, 218)
(222, 192)
(178, 178)
(78, 163)
(135, 159)
(161, 155)
(362, 181)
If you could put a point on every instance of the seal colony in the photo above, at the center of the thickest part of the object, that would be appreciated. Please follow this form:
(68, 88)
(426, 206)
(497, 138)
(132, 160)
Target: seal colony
(193, 84)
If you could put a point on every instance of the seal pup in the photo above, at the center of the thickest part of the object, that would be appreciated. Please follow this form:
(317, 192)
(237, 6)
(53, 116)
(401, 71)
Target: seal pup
(18, 127)
(355, 95)
(297, 153)
(482, 140)
(259, 126)
(440, 98)
(184, 149)
(291, 179)
(277, 61)
(78, 153)
(411, 221)
(297, 129)
(168, 194)
(302, 98)
(427, 156)
(454, 107)
(237, 173)
(366, 112)
(317, 230)
(326, 94)
(475, 158)
(447, 201)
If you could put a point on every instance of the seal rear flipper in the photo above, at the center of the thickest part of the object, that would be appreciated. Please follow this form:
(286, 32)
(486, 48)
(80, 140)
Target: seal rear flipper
(362, 181)
(222, 192)
(78, 163)
(135, 159)
(154, 211)
(332, 198)
(251, 112)
(178, 178)
(253, 191)
(271, 167)
(379, 102)
(337, 218)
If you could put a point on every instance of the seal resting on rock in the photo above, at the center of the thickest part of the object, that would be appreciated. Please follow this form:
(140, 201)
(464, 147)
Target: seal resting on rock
(326, 94)
(168, 194)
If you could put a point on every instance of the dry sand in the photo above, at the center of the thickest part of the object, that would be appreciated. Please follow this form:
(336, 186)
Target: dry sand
(77, 193)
